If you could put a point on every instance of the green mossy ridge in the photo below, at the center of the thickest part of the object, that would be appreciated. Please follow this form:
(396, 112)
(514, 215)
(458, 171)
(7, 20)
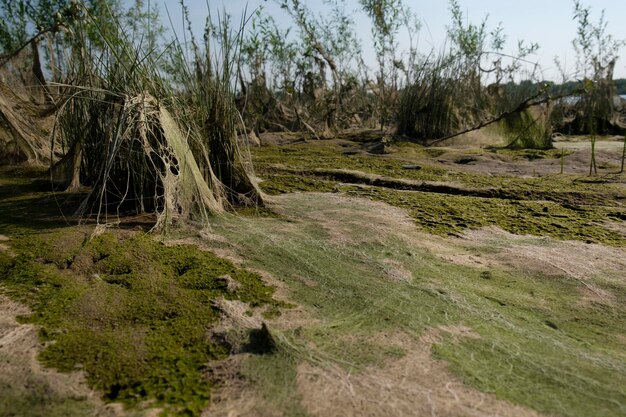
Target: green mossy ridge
(443, 214)
(280, 183)
(562, 207)
(323, 154)
(130, 311)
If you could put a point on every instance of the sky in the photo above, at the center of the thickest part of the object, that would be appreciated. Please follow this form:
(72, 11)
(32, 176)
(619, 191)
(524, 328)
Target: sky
(546, 22)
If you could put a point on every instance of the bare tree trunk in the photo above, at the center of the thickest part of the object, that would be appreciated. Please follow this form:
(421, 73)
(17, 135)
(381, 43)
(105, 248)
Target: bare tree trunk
(623, 155)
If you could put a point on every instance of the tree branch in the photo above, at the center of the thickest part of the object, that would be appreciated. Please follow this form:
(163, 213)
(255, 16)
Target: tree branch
(529, 102)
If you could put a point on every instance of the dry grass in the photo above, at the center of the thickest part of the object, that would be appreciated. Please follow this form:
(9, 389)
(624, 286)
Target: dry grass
(413, 385)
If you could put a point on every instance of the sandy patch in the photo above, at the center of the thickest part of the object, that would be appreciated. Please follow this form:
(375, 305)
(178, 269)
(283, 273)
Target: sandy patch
(577, 154)
(5, 248)
(575, 259)
(414, 385)
(616, 226)
(347, 220)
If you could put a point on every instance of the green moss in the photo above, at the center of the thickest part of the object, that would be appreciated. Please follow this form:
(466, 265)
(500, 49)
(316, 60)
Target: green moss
(281, 183)
(444, 214)
(131, 312)
(307, 157)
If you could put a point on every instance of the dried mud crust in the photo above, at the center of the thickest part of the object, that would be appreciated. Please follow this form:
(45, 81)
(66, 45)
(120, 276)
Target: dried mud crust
(576, 157)
(414, 385)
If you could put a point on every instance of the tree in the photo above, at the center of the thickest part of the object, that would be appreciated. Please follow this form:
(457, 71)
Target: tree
(328, 44)
(597, 53)
(461, 88)
(387, 17)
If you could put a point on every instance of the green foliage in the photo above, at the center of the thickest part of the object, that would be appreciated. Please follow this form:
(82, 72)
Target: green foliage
(450, 215)
(13, 22)
(448, 94)
(207, 105)
(387, 18)
(595, 48)
(596, 55)
(325, 75)
(468, 39)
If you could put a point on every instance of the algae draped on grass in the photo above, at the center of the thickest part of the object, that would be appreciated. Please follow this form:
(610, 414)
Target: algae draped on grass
(123, 300)
(538, 345)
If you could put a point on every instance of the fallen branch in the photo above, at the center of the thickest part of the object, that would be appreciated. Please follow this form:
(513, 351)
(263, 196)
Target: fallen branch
(529, 102)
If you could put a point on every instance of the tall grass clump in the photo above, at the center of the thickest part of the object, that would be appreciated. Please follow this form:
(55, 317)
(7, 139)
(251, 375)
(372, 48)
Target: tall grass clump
(443, 99)
(463, 88)
(206, 102)
(427, 106)
(120, 121)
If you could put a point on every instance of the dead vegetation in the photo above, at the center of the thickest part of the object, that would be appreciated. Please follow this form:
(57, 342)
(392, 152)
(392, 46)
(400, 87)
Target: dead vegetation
(336, 242)
(26, 112)
(109, 120)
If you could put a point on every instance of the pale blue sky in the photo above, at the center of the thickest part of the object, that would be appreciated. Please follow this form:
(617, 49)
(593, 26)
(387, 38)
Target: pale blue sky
(547, 22)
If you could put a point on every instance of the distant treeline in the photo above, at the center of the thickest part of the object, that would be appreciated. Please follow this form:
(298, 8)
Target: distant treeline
(569, 86)
(529, 87)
